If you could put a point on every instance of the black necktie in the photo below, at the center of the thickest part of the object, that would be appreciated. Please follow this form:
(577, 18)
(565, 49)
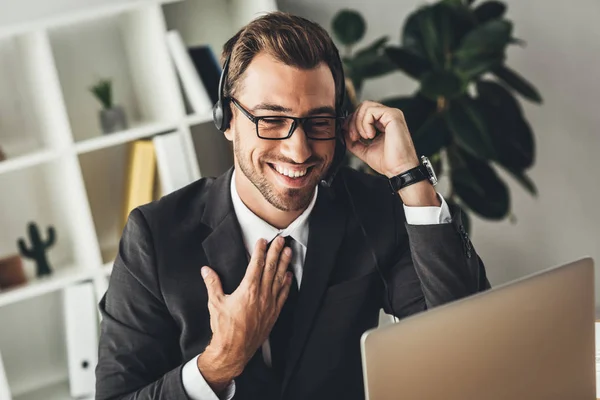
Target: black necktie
(283, 328)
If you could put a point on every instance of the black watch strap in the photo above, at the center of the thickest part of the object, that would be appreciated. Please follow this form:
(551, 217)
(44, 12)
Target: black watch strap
(408, 178)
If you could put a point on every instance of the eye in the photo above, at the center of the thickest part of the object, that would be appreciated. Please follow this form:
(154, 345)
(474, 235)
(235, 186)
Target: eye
(274, 121)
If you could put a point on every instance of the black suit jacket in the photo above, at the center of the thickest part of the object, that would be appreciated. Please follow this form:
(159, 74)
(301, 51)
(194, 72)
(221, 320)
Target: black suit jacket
(155, 315)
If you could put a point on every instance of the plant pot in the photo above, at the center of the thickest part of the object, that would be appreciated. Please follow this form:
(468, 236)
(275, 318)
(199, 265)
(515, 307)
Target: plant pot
(11, 272)
(113, 119)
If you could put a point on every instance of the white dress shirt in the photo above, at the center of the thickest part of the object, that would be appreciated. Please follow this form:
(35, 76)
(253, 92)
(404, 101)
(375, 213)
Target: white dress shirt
(253, 228)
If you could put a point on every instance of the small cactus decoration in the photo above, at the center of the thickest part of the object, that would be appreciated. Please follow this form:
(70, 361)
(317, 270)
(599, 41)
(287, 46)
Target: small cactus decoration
(38, 248)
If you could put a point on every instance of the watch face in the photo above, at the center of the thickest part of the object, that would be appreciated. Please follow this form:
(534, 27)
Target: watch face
(432, 175)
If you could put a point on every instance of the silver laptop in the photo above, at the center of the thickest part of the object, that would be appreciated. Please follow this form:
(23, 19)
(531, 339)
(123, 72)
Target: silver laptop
(529, 339)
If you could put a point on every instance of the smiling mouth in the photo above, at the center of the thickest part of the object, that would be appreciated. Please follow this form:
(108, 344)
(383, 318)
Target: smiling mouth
(291, 173)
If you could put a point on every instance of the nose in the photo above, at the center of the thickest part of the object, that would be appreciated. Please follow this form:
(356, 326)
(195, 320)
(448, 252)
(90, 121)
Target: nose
(297, 147)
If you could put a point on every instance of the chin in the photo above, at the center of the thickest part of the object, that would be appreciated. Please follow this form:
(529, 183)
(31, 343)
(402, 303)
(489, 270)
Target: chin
(290, 193)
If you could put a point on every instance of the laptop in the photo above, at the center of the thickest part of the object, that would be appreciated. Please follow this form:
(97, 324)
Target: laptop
(529, 339)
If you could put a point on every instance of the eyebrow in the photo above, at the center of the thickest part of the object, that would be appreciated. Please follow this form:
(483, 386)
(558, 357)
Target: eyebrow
(278, 108)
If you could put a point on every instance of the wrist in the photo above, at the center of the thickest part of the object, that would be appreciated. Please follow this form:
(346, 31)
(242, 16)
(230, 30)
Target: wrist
(402, 168)
(217, 369)
(420, 194)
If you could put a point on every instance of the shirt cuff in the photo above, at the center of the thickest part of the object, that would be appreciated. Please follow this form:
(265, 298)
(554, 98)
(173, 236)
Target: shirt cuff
(196, 386)
(428, 215)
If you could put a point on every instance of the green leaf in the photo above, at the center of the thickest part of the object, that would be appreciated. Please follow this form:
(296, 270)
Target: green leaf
(517, 41)
(411, 33)
(432, 136)
(430, 37)
(489, 38)
(469, 128)
(375, 48)
(102, 90)
(489, 10)
(478, 185)
(524, 180)
(472, 67)
(348, 26)
(447, 84)
(416, 110)
(369, 66)
(455, 20)
(518, 83)
(410, 63)
(511, 135)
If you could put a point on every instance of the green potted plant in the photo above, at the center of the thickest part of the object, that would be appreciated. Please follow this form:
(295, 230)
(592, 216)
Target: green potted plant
(370, 61)
(112, 117)
(465, 115)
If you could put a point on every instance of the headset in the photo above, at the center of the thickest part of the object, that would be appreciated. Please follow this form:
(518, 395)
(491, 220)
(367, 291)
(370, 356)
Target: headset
(222, 119)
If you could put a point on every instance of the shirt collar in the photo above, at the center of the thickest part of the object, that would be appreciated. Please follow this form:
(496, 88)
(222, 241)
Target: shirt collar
(254, 228)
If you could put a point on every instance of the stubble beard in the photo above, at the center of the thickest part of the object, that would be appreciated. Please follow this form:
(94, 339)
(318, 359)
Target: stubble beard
(291, 199)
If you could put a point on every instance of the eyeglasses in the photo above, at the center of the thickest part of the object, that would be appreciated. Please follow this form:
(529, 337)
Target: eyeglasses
(280, 127)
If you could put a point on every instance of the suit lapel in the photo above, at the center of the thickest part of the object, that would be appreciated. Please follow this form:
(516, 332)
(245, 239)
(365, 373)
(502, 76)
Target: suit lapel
(224, 246)
(326, 229)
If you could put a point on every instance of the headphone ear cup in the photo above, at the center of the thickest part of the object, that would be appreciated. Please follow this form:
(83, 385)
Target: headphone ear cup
(221, 115)
(218, 115)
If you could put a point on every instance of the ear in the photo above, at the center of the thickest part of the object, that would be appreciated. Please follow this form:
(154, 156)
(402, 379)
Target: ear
(228, 134)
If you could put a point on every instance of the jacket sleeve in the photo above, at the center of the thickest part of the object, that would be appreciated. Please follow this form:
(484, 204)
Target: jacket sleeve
(434, 264)
(138, 355)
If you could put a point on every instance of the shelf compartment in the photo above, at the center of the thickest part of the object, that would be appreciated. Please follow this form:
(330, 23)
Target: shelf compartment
(127, 47)
(105, 177)
(32, 118)
(36, 332)
(46, 194)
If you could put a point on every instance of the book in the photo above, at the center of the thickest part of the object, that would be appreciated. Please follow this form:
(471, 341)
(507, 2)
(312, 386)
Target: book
(141, 175)
(4, 389)
(81, 329)
(172, 162)
(192, 84)
(208, 68)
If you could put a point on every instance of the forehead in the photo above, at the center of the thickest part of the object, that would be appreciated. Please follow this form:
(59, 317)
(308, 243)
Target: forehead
(269, 80)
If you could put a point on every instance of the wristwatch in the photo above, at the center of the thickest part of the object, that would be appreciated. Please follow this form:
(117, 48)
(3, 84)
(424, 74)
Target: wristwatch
(414, 175)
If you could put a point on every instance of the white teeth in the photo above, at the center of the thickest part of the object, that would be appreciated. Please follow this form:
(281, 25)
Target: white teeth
(290, 173)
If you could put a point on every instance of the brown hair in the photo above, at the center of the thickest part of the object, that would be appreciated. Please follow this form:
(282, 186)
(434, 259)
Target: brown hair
(292, 40)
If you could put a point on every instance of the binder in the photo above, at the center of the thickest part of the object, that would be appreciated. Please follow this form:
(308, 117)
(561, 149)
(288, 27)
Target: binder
(192, 85)
(141, 171)
(81, 328)
(172, 163)
(208, 68)
(4, 389)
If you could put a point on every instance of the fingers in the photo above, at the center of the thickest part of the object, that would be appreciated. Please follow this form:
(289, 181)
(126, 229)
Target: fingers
(257, 263)
(363, 122)
(272, 261)
(280, 276)
(284, 291)
(213, 284)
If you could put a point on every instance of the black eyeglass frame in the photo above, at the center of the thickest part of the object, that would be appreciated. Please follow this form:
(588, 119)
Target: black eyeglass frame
(296, 121)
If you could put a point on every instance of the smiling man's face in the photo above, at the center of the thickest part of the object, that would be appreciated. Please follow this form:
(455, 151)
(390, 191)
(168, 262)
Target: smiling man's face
(284, 172)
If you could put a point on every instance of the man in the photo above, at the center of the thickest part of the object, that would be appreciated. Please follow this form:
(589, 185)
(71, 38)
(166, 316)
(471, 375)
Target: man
(201, 304)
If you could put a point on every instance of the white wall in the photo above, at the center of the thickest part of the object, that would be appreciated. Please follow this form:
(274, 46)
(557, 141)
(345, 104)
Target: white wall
(562, 58)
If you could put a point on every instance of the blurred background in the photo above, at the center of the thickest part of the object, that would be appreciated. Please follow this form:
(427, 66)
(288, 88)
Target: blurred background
(106, 104)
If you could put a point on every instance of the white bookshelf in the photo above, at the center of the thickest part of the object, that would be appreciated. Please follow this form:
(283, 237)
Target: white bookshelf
(63, 172)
